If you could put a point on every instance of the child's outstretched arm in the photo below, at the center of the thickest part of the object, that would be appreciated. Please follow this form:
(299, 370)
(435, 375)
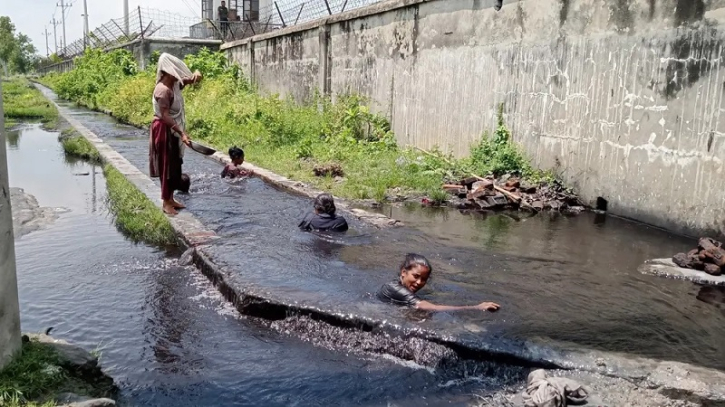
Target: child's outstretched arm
(484, 306)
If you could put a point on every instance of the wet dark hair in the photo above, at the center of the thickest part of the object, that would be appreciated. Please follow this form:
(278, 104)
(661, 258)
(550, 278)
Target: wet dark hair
(184, 183)
(325, 203)
(412, 260)
(236, 152)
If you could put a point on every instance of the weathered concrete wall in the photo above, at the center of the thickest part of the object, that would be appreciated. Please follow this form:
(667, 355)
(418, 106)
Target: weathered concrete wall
(9, 307)
(623, 98)
(143, 49)
(278, 61)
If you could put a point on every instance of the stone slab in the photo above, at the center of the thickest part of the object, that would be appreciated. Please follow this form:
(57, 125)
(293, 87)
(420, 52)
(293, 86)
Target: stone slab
(668, 269)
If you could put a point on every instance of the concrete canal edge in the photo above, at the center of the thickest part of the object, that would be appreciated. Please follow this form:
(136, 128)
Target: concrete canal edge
(675, 380)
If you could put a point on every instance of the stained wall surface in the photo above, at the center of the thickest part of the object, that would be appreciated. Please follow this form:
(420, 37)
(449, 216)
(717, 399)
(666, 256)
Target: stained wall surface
(622, 98)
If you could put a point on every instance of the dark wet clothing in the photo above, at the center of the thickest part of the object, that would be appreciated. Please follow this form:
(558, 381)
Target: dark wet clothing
(323, 222)
(232, 171)
(223, 13)
(395, 293)
(165, 158)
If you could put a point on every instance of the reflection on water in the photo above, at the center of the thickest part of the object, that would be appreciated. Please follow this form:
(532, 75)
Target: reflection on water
(713, 295)
(13, 137)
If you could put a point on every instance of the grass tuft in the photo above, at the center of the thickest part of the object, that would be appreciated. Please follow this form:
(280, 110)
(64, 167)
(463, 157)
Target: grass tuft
(136, 216)
(78, 146)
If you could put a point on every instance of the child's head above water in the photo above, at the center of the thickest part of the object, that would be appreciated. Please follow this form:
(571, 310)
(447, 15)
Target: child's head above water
(184, 184)
(237, 155)
(325, 203)
(415, 272)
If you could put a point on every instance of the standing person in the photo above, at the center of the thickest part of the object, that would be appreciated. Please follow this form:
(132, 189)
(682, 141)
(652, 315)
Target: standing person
(223, 13)
(168, 129)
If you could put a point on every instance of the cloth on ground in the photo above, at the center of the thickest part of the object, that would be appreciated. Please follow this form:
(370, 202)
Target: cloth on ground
(545, 391)
(395, 293)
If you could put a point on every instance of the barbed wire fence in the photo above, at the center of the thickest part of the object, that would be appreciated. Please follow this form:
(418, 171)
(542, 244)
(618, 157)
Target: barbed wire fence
(146, 23)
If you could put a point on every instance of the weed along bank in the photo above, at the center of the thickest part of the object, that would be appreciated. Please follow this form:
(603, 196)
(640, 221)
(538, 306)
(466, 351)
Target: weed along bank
(618, 98)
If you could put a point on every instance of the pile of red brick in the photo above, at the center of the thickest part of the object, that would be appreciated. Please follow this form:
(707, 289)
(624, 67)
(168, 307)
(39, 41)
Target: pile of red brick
(512, 193)
(708, 257)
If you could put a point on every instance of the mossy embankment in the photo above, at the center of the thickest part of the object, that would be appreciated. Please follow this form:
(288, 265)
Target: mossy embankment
(22, 102)
(136, 216)
(289, 138)
(76, 145)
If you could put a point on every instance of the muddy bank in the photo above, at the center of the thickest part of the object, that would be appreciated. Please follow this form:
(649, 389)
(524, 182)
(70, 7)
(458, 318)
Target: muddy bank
(28, 215)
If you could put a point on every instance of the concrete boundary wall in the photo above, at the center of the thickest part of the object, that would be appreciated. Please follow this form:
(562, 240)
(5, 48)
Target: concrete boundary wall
(142, 50)
(623, 99)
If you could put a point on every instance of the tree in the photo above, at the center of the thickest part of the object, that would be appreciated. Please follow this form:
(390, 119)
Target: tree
(16, 49)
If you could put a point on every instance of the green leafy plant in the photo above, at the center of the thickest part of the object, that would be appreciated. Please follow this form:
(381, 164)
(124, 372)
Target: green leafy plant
(290, 137)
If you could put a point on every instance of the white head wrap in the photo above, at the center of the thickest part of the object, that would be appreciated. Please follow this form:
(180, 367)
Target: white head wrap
(172, 66)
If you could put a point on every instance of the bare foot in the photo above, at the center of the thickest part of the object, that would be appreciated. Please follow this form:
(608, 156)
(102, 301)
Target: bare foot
(169, 209)
(177, 205)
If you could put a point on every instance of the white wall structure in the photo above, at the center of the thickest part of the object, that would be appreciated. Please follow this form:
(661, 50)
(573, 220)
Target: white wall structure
(9, 307)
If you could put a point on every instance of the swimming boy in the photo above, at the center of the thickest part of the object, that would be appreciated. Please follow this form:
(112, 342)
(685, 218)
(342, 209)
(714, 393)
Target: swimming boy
(324, 218)
(414, 274)
(232, 169)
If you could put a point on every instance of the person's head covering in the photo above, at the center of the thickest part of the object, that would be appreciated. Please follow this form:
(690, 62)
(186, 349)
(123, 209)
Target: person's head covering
(172, 66)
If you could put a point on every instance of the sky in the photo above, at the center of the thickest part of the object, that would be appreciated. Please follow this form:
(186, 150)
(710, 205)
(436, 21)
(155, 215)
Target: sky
(31, 17)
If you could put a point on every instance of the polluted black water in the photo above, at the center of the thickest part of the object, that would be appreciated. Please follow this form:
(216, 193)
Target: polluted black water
(565, 283)
(163, 331)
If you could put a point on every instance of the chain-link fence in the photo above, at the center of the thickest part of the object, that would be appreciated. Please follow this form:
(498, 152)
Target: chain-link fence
(149, 23)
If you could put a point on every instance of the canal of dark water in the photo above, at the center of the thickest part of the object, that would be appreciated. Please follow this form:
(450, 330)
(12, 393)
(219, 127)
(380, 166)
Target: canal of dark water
(163, 331)
(564, 283)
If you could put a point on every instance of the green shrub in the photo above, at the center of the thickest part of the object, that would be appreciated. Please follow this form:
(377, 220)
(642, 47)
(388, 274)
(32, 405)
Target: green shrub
(290, 138)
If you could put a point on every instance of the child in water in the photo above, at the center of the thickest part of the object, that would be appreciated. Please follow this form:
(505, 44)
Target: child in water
(414, 274)
(184, 184)
(323, 218)
(232, 169)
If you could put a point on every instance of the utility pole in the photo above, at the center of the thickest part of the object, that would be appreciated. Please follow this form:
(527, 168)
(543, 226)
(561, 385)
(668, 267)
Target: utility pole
(10, 316)
(63, 8)
(126, 23)
(85, 24)
(55, 33)
(47, 47)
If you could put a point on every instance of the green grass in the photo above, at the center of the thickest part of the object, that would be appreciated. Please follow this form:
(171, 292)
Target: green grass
(35, 377)
(290, 138)
(23, 102)
(136, 216)
(76, 145)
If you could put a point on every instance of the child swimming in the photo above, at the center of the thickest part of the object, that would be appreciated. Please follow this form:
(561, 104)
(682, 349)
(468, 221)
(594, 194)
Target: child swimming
(323, 218)
(184, 184)
(414, 274)
(231, 170)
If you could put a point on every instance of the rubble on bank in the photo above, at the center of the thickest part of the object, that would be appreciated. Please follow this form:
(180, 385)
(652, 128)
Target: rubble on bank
(508, 192)
(709, 256)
